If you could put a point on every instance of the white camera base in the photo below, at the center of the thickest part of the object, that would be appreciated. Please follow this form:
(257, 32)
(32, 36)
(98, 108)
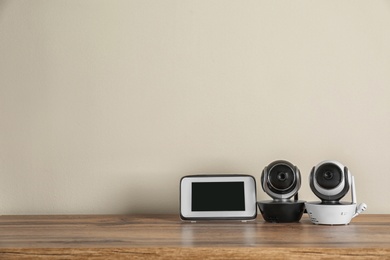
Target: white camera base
(323, 214)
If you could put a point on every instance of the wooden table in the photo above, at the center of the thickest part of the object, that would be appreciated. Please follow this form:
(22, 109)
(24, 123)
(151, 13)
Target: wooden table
(167, 237)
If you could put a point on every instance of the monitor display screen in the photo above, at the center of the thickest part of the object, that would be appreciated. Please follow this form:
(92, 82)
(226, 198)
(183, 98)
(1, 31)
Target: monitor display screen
(218, 196)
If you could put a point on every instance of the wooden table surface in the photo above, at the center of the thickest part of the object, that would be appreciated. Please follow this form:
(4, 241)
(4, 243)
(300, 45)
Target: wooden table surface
(167, 237)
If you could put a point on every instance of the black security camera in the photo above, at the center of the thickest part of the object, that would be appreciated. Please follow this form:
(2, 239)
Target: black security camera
(281, 180)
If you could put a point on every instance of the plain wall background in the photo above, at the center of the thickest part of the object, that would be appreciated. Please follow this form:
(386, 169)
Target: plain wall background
(105, 105)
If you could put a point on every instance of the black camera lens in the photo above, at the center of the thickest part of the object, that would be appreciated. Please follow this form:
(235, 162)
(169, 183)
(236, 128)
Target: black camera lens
(329, 176)
(281, 177)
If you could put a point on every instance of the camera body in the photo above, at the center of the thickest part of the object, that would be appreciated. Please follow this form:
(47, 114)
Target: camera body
(330, 181)
(281, 180)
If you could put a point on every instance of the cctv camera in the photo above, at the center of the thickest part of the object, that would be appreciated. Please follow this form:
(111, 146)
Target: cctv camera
(281, 180)
(330, 181)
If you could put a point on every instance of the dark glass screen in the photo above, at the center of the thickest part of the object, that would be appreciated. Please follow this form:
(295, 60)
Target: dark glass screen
(218, 196)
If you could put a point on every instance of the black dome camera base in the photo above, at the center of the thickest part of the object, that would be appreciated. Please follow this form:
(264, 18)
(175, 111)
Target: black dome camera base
(281, 211)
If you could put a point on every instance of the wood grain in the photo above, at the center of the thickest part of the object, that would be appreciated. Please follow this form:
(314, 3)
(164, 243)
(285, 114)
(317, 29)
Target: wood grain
(166, 236)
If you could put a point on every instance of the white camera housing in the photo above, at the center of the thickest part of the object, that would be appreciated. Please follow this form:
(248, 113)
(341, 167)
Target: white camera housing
(331, 181)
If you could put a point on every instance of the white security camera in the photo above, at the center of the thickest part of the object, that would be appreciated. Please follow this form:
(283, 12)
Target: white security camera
(330, 181)
(281, 180)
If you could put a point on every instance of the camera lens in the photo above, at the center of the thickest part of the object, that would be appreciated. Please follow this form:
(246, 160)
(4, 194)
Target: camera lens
(281, 177)
(328, 176)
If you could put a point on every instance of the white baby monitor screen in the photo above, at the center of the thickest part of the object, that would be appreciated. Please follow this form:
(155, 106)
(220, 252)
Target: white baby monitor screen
(218, 197)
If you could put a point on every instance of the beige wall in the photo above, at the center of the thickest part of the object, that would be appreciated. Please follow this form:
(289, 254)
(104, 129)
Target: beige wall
(105, 105)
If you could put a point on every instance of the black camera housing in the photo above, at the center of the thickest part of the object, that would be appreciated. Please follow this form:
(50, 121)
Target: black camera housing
(281, 180)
